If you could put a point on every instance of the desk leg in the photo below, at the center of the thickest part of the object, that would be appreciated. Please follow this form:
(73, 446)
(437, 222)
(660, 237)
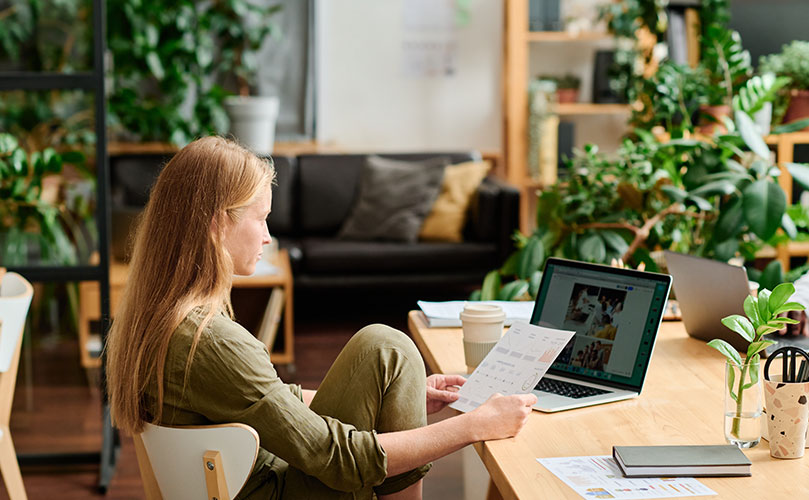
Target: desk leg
(494, 493)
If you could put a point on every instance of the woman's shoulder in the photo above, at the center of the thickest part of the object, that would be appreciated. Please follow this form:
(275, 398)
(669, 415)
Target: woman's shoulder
(220, 331)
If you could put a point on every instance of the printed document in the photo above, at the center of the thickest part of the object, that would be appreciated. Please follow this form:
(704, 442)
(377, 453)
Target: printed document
(600, 477)
(515, 364)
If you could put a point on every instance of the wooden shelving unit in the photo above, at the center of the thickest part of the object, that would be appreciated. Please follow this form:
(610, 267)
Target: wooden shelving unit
(518, 41)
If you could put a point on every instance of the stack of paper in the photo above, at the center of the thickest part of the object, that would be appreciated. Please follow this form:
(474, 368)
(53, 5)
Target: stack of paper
(449, 313)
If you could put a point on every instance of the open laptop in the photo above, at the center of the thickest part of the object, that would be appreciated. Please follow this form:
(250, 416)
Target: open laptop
(707, 291)
(615, 313)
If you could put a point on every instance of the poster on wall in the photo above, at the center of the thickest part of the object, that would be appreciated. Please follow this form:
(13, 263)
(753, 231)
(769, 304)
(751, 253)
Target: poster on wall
(429, 42)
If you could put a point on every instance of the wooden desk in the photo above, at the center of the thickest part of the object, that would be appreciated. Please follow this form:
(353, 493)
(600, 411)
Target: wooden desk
(282, 281)
(681, 403)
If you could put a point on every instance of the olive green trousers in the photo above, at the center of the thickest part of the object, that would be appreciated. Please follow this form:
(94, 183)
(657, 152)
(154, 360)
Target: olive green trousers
(376, 383)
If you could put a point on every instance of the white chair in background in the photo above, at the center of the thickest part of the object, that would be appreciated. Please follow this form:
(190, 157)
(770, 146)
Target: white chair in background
(194, 462)
(15, 299)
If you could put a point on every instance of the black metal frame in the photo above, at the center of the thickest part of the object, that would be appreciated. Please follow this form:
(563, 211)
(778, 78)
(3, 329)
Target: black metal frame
(94, 82)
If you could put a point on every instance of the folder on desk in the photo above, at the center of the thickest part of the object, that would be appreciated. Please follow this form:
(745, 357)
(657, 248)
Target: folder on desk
(448, 313)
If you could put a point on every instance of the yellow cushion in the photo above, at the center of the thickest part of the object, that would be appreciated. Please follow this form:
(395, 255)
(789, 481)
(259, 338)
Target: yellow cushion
(447, 217)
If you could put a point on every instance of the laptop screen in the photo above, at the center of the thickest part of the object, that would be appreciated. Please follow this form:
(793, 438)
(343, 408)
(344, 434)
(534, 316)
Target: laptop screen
(615, 313)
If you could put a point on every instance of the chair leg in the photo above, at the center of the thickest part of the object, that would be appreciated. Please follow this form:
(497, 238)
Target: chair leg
(10, 467)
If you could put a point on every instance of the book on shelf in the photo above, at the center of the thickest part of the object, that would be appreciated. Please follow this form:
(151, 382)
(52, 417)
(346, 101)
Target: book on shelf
(268, 328)
(448, 313)
(681, 461)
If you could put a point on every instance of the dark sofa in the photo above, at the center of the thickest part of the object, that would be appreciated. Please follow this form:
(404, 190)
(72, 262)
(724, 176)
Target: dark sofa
(312, 197)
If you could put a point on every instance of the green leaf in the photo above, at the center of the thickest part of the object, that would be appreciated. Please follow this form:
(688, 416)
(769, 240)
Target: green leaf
(779, 296)
(720, 187)
(513, 290)
(674, 193)
(491, 285)
(750, 135)
(510, 266)
(533, 283)
(701, 203)
(789, 226)
(531, 258)
(731, 379)
(783, 321)
(764, 305)
(790, 127)
(615, 241)
(799, 173)
(751, 309)
(765, 329)
(752, 371)
(790, 306)
(756, 347)
(155, 65)
(771, 276)
(730, 220)
(592, 248)
(475, 295)
(740, 325)
(764, 205)
(726, 350)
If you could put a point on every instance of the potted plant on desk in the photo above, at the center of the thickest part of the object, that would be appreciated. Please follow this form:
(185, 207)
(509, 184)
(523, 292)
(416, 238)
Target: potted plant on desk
(743, 393)
(241, 28)
(791, 62)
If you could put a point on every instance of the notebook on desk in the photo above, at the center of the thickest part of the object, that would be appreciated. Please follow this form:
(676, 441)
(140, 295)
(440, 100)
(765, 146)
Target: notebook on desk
(615, 313)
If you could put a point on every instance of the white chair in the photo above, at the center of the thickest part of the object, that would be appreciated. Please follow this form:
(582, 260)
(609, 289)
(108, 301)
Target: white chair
(211, 461)
(15, 299)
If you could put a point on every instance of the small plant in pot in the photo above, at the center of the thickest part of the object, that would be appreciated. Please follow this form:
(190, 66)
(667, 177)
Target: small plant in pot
(791, 62)
(241, 28)
(743, 393)
(567, 88)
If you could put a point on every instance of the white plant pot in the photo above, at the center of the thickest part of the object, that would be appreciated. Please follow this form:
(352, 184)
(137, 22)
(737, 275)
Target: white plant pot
(252, 121)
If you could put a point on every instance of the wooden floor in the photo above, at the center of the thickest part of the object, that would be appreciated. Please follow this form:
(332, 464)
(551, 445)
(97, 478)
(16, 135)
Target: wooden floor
(56, 409)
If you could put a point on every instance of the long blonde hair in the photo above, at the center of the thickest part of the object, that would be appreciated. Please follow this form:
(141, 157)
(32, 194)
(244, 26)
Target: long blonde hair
(178, 263)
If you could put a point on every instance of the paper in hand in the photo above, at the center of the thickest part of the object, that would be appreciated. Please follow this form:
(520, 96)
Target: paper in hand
(515, 364)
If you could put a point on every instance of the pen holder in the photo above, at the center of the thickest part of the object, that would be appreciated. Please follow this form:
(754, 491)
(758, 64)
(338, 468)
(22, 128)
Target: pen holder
(787, 417)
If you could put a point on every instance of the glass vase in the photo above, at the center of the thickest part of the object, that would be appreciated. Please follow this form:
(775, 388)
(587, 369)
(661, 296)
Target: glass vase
(743, 404)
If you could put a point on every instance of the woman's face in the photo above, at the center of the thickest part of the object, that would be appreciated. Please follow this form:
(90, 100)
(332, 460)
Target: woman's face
(245, 237)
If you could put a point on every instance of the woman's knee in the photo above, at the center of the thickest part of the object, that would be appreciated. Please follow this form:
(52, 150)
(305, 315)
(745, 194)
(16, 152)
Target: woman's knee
(390, 344)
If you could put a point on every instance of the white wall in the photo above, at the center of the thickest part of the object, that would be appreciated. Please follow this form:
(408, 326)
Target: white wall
(366, 102)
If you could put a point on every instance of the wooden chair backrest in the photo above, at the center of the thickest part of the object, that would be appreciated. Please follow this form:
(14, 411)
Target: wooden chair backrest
(15, 299)
(211, 461)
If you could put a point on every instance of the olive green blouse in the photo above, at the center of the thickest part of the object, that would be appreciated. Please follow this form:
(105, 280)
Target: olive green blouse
(232, 380)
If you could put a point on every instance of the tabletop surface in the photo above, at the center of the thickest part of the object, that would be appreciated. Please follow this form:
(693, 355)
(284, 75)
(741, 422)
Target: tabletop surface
(681, 403)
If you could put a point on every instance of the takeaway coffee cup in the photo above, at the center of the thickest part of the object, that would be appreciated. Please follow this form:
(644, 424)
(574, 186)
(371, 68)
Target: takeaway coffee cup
(787, 417)
(482, 328)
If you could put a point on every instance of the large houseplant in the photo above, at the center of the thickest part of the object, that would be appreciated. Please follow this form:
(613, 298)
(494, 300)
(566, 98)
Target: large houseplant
(244, 27)
(742, 375)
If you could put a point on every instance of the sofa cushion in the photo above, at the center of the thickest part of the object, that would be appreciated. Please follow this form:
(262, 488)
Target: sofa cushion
(445, 222)
(328, 186)
(327, 255)
(393, 200)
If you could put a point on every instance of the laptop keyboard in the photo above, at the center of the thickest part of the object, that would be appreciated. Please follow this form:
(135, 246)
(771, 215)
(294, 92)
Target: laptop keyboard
(567, 389)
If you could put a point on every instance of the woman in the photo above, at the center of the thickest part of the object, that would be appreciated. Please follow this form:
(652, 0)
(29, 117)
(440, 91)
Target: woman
(176, 357)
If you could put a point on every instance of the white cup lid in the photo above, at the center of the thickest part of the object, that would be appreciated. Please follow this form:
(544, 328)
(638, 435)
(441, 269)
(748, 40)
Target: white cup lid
(486, 313)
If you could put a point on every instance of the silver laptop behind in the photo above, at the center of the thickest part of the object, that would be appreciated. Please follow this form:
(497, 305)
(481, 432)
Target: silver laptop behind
(707, 291)
(615, 313)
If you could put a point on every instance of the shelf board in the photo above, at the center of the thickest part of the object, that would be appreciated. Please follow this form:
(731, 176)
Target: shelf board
(564, 36)
(799, 137)
(585, 108)
(794, 249)
(58, 273)
(47, 81)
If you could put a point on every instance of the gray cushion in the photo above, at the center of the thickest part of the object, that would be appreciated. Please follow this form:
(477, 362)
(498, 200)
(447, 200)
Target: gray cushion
(394, 198)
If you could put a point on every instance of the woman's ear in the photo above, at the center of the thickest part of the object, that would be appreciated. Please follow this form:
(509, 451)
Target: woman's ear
(217, 225)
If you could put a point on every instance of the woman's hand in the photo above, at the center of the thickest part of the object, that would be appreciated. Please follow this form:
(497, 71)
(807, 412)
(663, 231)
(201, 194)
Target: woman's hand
(442, 390)
(502, 416)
